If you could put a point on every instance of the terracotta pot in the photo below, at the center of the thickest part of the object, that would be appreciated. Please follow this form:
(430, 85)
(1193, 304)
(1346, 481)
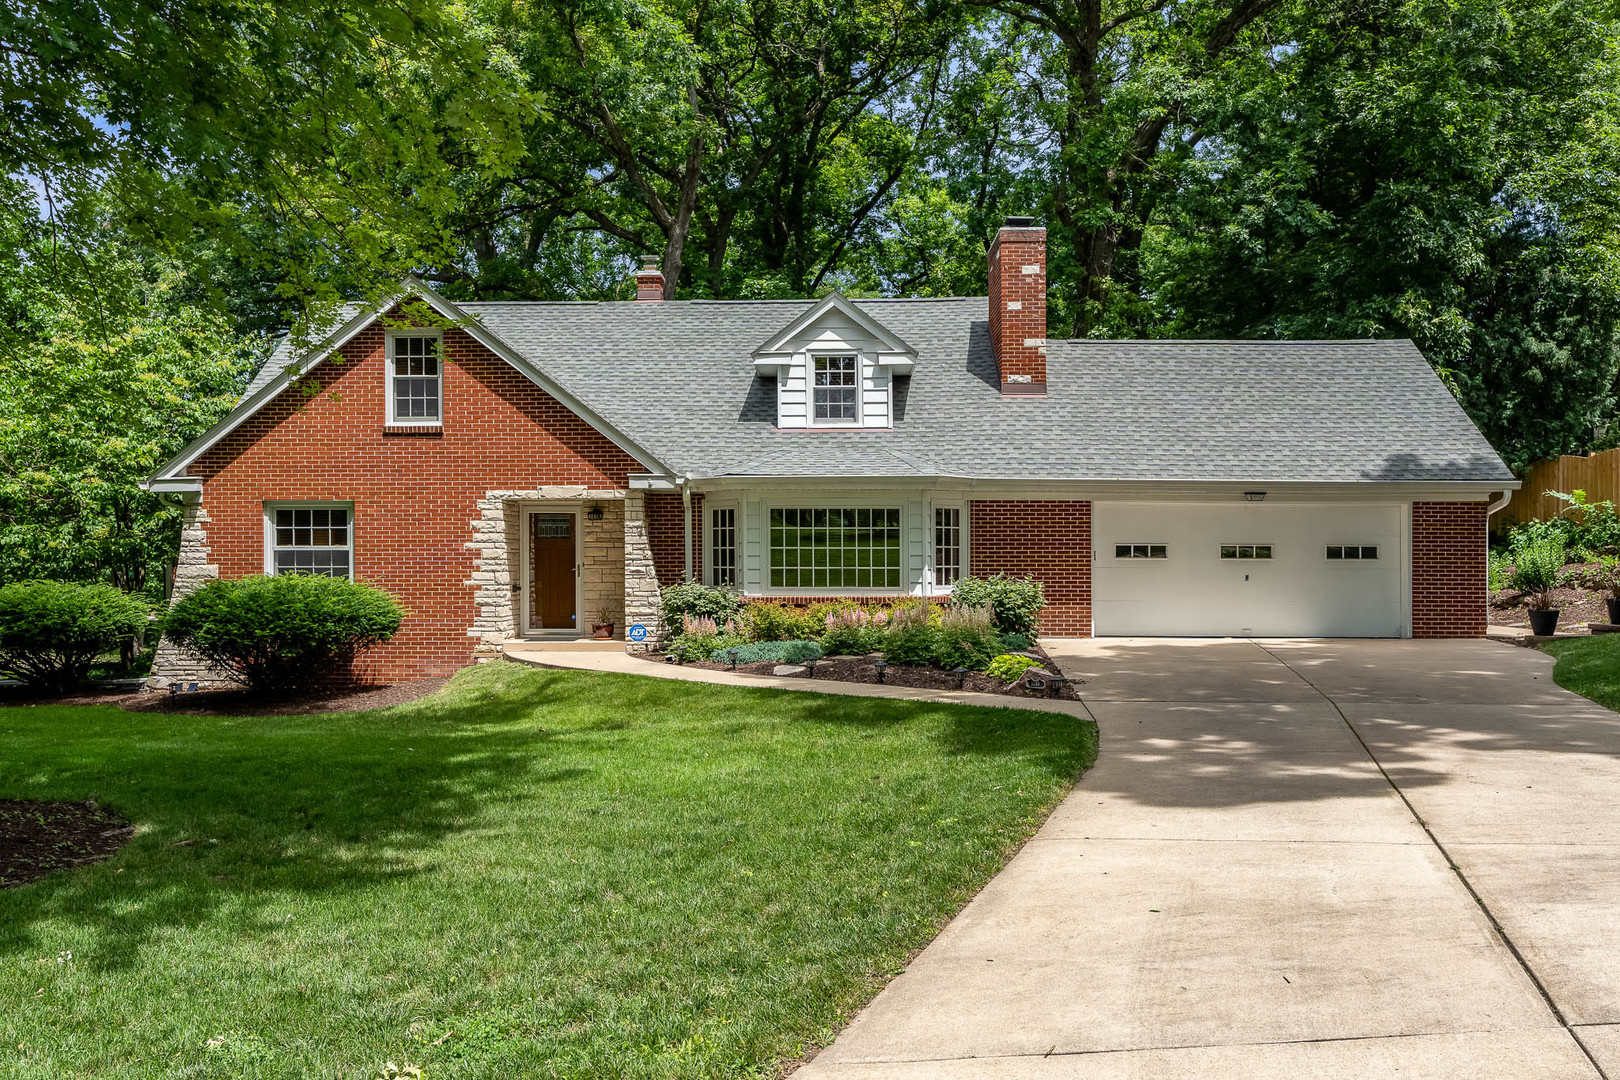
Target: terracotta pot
(602, 631)
(1543, 621)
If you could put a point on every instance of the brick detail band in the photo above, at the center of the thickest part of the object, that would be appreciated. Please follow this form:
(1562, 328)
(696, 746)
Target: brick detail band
(1047, 539)
(1449, 592)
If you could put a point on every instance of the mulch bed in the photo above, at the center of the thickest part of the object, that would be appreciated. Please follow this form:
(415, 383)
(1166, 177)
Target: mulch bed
(234, 701)
(864, 669)
(39, 837)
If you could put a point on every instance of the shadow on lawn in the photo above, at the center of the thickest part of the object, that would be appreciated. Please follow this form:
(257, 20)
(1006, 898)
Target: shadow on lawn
(238, 817)
(247, 813)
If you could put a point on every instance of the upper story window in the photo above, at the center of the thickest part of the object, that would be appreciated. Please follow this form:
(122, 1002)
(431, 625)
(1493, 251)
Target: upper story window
(837, 382)
(415, 379)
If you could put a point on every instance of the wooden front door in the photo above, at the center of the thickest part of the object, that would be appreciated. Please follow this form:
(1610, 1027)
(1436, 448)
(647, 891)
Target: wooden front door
(551, 572)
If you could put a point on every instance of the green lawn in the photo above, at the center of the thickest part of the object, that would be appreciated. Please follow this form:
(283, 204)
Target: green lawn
(1590, 666)
(529, 874)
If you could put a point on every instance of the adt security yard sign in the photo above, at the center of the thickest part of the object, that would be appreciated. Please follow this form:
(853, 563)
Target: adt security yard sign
(638, 633)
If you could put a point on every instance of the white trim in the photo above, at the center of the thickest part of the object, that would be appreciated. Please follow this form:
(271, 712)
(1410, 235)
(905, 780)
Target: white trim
(576, 508)
(411, 287)
(1081, 490)
(773, 354)
(269, 508)
(389, 375)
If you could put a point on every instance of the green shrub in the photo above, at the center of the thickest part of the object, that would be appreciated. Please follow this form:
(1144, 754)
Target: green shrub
(777, 652)
(1536, 569)
(1014, 603)
(51, 632)
(698, 602)
(1498, 571)
(1009, 668)
(852, 630)
(777, 622)
(1015, 642)
(911, 645)
(701, 638)
(279, 633)
(965, 638)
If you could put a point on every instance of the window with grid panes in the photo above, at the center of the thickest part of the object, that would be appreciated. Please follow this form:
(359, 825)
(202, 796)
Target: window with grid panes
(836, 384)
(947, 544)
(723, 545)
(416, 379)
(311, 540)
(814, 548)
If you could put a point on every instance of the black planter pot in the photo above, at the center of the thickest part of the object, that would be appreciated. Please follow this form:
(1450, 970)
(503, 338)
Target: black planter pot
(1543, 621)
(1613, 604)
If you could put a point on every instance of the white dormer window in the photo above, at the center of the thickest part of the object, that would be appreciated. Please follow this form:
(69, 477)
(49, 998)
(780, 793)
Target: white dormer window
(837, 389)
(835, 367)
(415, 379)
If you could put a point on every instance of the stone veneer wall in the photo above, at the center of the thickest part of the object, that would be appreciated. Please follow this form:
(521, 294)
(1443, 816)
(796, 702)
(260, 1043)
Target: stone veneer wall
(641, 601)
(191, 572)
(497, 576)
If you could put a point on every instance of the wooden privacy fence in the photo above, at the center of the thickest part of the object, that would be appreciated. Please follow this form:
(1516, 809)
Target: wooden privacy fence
(1598, 476)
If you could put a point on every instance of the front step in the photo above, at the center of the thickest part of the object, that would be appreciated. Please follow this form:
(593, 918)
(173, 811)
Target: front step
(575, 645)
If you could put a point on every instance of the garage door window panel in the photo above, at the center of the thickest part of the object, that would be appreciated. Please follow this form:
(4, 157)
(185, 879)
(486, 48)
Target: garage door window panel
(1352, 552)
(1245, 551)
(1141, 551)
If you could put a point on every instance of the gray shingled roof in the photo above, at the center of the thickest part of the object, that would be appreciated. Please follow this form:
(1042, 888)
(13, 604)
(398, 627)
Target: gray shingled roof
(678, 378)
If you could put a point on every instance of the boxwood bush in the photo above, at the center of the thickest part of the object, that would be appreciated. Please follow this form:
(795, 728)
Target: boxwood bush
(279, 633)
(51, 632)
(1015, 603)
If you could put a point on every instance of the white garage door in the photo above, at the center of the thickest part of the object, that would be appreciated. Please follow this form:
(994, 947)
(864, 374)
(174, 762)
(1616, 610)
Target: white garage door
(1248, 569)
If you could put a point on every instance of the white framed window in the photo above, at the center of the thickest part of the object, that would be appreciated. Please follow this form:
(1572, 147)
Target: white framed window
(947, 545)
(1141, 551)
(834, 548)
(415, 377)
(722, 545)
(835, 389)
(309, 538)
(1352, 552)
(1245, 551)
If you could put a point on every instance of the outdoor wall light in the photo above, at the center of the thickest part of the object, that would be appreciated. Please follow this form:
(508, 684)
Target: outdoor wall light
(1255, 496)
(595, 512)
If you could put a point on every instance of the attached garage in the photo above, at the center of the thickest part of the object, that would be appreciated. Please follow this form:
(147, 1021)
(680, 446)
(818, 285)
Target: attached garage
(1242, 569)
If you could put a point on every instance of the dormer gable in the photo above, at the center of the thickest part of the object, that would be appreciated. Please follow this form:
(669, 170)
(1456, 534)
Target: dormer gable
(835, 367)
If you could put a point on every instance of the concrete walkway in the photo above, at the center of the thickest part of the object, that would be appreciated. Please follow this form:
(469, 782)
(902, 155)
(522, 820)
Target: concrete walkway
(1257, 881)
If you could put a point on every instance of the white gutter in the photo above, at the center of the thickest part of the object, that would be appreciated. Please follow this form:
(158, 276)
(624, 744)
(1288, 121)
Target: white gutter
(1507, 497)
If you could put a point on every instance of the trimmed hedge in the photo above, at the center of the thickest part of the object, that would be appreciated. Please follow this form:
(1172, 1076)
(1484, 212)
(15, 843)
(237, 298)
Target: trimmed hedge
(51, 632)
(279, 633)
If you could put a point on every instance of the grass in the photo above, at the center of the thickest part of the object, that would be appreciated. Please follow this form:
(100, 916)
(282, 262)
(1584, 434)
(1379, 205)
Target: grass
(528, 874)
(1589, 666)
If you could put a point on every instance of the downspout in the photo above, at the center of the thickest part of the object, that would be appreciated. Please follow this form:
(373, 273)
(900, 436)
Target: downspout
(1507, 497)
(686, 517)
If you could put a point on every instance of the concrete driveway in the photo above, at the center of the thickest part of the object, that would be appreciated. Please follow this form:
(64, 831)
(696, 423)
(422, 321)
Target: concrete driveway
(1293, 859)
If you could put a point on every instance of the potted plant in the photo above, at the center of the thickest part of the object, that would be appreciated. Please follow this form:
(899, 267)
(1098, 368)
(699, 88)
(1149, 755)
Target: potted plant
(1536, 568)
(602, 628)
(1611, 582)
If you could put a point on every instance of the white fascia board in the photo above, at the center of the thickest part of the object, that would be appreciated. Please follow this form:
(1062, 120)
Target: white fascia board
(898, 363)
(891, 342)
(410, 288)
(645, 482)
(1370, 491)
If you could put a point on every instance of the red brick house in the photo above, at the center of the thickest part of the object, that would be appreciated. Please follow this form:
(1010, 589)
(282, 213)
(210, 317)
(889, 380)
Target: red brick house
(513, 470)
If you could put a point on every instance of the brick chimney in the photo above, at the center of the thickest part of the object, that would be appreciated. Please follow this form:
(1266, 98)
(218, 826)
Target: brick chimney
(1018, 306)
(649, 279)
